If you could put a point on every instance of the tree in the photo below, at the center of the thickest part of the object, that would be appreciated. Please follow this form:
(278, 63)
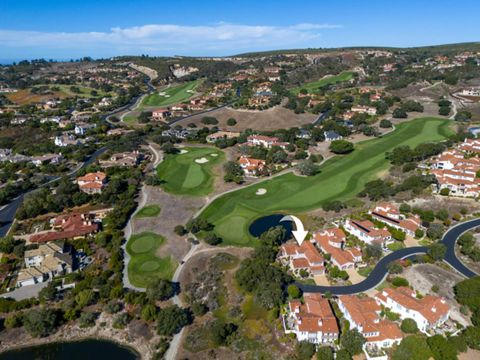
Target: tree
(233, 172)
(412, 347)
(212, 239)
(374, 251)
(463, 115)
(293, 291)
(341, 147)
(84, 298)
(437, 251)
(399, 281)
(352, 341)
(395, 268)
(160, 290)
(324, 353)
(472, 337)
(409, 326)
(40, 323)
(441, 348)
(180, 230)
(385, 124)
(399, 113)
(172, 319)
(335, 205)
(7, 244)
(307, 168)
(435, 231)
(87, 319)
(419, 233)
(220, 332)
(231, 122)
(169, 148)
(343, 354)
(304, 350)
(467, 292)
(149, 312)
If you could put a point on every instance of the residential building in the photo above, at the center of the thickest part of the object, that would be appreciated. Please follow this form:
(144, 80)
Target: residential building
(312, 321)
(363, 314)
(222, 135)
(471, 92)
(160, 114)
(361, 109)
(366, 231)
(265, 141)
(332, 241)
(69, 226)
(82, 129)
(66, 140)
(47, 261)
(303, 257)
(390, 215)
(47, 158)
(428, 312)
(332, 136)
(251, 166)
(128, 159)
(92, 183)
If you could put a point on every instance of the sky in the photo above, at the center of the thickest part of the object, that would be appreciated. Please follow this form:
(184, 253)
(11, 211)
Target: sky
(53, 29)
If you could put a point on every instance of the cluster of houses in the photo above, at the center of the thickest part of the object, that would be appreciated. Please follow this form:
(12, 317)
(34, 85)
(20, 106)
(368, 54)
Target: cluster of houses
(309, 258)
(8, 155)
(313, 320)
(456, 170)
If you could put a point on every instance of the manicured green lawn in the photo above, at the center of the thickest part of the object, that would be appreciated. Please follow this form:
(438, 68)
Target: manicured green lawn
(173, 95)
(148, 211)
(182, 175)
(145, 266)
(312, 87)
(397, 245)
(340, 178)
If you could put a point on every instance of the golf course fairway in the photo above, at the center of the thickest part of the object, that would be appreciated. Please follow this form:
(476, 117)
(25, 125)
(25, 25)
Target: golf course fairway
(340, 178)
(191, 171)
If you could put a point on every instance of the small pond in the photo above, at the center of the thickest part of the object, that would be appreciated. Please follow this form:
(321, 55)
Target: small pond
(259, 226)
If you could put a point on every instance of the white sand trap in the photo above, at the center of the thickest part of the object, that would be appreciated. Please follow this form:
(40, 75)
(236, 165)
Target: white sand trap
(167, 96)
(214, 155)
(189, 91)
(261, 191)
(202, 160)
(161, 93)
(183, 151)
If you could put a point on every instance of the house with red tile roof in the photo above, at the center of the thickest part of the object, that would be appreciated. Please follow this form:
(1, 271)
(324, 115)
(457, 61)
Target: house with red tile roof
(69, 226)
(332, 241)
(390, 215)
(161, 114)
(303, 257)
(428, 312)
(92, 183)
(363, 314)
(251, 166)
(312, 321)
(366, 231)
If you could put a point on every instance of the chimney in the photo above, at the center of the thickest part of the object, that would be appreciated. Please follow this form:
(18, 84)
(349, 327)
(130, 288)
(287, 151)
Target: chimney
(434, 309)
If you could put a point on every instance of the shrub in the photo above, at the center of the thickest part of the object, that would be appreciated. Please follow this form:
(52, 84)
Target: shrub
(409, 326)
(341, 147)
(399, 281)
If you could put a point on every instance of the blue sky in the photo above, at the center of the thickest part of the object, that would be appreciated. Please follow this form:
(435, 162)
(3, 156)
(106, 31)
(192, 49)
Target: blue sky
(103, 28)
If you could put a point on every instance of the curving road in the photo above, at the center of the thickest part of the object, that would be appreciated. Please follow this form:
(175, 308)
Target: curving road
(380, 272)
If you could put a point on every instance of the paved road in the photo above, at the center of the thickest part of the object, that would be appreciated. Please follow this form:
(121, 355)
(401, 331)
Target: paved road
(380, 271)
(7, 213)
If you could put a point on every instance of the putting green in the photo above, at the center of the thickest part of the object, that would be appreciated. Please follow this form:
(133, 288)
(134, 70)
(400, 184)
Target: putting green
(148, 211)
(312, 87)
(145, 266)
(340, 178)
(173, 95)
(182, 175)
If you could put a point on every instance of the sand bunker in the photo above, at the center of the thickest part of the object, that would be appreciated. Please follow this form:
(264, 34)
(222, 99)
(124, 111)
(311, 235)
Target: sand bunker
(214, 155)
(202, 160)
(183, 151)
(261, 191)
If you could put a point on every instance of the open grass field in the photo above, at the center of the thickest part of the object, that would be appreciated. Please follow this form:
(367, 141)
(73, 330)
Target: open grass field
(312, 87)
(182, 175)
(145, 266)
(148, 211)
(340, 178)
(173, 95)
(25, 97)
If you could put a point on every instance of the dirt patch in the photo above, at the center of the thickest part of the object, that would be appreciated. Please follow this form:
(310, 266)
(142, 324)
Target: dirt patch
(272, 119)
(423, 276)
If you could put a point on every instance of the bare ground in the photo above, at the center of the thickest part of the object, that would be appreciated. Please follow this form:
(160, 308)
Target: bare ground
(277, 117)
(423, 276)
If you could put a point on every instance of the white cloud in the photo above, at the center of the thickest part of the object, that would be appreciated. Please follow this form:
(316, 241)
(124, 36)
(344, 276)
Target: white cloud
(218, 38)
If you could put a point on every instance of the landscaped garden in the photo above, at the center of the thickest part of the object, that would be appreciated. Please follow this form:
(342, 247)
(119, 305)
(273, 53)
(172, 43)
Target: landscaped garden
(313, 86)
(145, 266)
(148, 211)
(172, 95)
(190, 172)
(340, 178)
